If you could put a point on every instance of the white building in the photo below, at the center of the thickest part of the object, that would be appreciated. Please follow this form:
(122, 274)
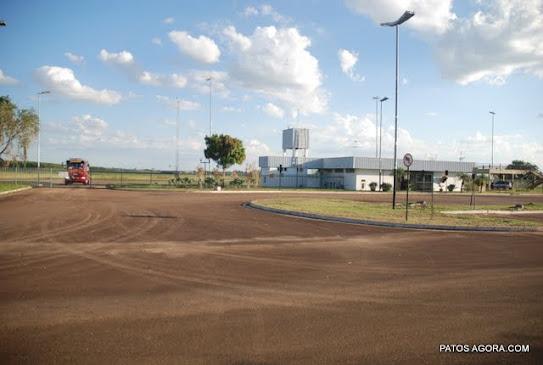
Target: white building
(352, 173)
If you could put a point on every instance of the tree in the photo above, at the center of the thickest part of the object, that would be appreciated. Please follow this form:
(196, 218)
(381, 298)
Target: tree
(522, 165)
(225, 150)
(17, 127)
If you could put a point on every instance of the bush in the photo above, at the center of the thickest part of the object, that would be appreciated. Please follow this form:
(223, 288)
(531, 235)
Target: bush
(386, 186)
(210, 182)
(237, 182)
(373, 185)
(451, 187)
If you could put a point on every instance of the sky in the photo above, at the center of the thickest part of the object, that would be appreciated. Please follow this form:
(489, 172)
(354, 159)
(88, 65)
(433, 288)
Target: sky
(117, 70)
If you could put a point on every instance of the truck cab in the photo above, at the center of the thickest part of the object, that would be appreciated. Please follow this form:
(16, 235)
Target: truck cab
(78, 172)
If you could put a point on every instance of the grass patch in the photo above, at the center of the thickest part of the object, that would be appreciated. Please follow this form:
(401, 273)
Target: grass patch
(383, 212)
(9, 187)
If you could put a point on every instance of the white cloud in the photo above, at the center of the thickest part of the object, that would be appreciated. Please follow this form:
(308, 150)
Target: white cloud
(119, 58)
(74, 58)
(202, 49)
(238, 39)
(265, 10)
(277, 64)
(7, 80)
(90, 128)
(503, 37)
(273, 111)
(154, 79)
(157, 41)
(350, 134)
(168, 20)
(432, 16)
(255, 148)
(183, 104)
(250, 11)
(431, 114)
(347, 61)
(268, 10)
(499, 38)
(62, 81)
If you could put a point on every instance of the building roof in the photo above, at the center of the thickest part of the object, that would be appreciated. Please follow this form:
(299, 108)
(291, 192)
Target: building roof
(371, 163)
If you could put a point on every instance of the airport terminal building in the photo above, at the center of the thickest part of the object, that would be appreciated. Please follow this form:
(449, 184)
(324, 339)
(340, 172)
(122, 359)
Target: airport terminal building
(352, 172)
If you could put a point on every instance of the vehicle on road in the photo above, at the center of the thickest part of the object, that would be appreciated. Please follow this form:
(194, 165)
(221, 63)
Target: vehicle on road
(501, 185)
(78, 172)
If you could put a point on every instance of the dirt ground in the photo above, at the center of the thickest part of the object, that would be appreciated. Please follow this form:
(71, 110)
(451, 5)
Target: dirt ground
(101, 276)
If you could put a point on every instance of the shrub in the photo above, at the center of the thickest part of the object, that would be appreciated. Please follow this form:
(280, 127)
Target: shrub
(210, 182)
(451, 187)
(237, 182)
(386, 186)
(373, 185)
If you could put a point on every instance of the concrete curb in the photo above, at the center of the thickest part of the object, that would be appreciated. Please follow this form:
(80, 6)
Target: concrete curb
(15, 191)
(387, 224)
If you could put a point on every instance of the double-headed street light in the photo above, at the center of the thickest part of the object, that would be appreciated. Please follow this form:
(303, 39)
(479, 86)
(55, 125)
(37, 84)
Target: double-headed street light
(405, 17)
(492, 140)
(381, 140)
(376, 98)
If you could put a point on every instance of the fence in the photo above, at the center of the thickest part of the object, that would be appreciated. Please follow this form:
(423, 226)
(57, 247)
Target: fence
(54, 177)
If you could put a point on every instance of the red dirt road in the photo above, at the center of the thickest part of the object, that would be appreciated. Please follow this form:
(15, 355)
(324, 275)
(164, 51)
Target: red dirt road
(105, 276)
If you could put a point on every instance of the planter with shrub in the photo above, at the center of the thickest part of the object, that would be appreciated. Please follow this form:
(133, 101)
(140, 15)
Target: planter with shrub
(386, 186)
(451, 187)
(373, 186)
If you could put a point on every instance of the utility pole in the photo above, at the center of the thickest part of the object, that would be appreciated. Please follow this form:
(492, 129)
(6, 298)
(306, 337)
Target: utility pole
(381, 141)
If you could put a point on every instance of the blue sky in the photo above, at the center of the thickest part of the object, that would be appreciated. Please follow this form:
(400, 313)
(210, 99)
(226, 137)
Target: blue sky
(116, 68)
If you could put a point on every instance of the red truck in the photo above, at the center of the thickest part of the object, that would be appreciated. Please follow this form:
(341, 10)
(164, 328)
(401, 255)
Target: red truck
(78, 172)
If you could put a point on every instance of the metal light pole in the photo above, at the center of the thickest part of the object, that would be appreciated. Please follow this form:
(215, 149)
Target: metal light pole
(376, 98)
(381, 140)
(177, 137)
(210, 79)
(405, 17)
(44, 92)
(492, 140)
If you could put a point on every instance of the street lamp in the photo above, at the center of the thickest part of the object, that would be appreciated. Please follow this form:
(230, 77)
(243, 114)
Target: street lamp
(44, 92)
(492, 140)
(405, 17)
(177, 137)
(381, 139)
(210, 79)
(376, 98)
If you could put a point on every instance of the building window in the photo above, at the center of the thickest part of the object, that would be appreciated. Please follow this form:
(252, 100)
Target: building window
(349, 171)
(338, 170)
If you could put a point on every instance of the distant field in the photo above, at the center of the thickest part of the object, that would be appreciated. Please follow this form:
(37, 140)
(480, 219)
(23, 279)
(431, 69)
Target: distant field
(56, 176)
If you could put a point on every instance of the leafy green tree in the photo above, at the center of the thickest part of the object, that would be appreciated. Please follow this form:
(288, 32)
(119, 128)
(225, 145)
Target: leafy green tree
(225, 150)
(17, 127)
(522, 165)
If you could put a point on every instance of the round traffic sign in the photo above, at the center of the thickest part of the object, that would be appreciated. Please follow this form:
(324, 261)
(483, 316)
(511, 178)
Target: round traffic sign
(407, 159)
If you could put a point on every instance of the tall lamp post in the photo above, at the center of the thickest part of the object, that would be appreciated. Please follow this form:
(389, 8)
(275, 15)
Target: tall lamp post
(376, 98)
(405, 17)
(381, 140)
(44, 92)
(210, 80)
(177, 137)
(492, 141)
